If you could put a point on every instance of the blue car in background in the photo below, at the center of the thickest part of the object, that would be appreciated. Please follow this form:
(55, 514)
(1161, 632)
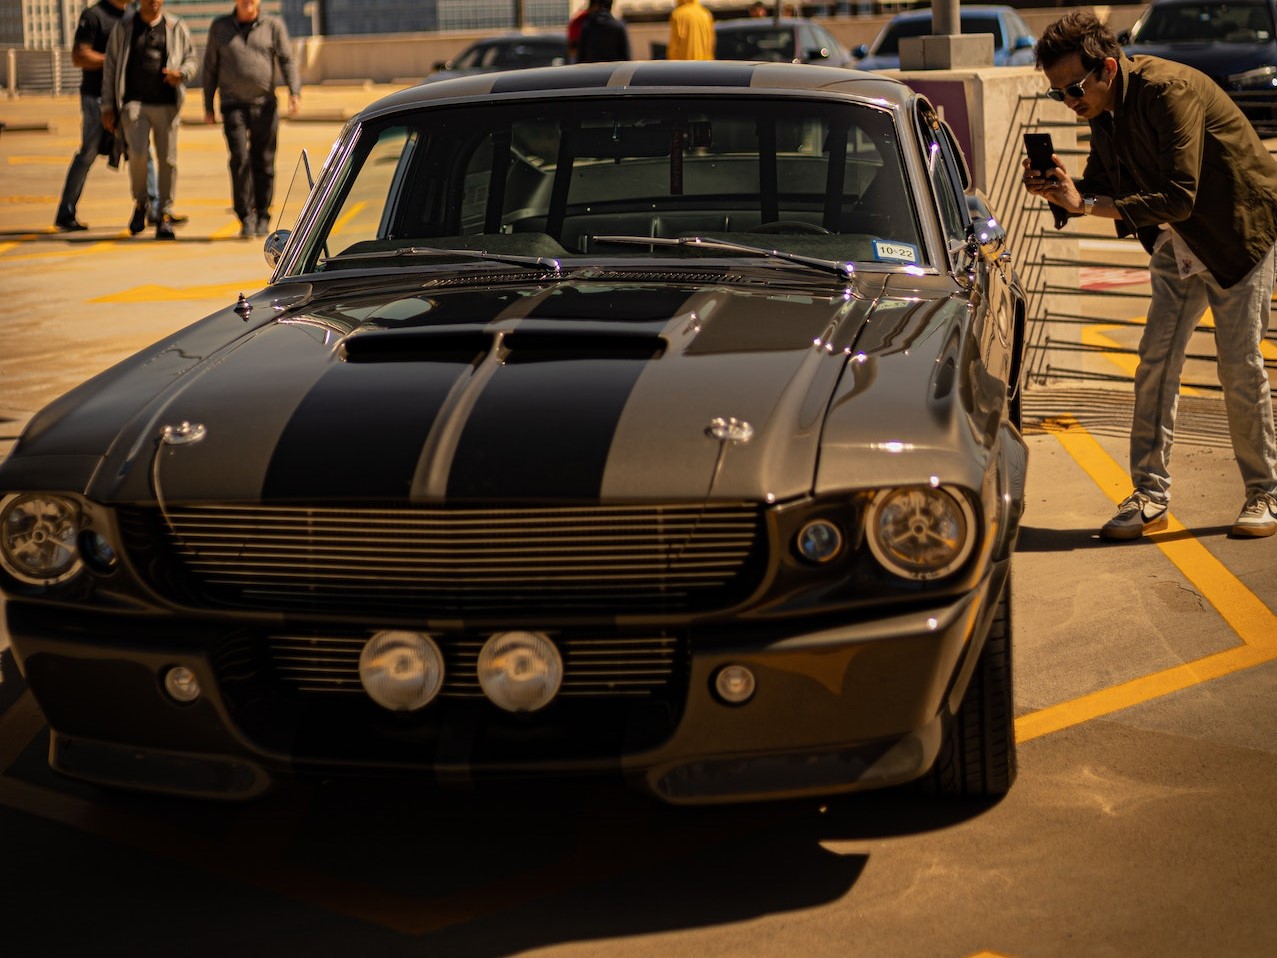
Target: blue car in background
(1012, 39)
(1235, 44)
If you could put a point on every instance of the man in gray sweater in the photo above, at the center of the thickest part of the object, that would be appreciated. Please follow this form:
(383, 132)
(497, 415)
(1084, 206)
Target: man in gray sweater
(239, 66)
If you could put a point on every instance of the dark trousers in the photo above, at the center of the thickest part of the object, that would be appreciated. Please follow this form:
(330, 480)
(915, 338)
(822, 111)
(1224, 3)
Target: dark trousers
(251, 132)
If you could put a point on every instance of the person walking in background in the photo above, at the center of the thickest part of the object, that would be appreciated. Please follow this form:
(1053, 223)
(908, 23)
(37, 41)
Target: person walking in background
(574, 28)
(603, 36)
(149, 59)
(88, 52)
(243, 50)
(691, 32)
(1175, 161)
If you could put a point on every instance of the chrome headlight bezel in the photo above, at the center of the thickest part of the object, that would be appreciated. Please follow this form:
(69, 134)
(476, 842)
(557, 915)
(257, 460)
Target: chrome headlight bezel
(39, 546)
(900, 521)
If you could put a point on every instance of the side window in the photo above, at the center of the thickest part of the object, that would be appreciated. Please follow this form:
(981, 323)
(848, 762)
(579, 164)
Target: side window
(944, 176)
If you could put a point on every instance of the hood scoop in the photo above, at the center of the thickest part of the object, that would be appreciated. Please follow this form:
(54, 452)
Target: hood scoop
(416, 346)
(545, 345)
(516, 346)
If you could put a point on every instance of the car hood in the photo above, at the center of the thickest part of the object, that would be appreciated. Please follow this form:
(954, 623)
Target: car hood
(571, 391)
(1215, 59)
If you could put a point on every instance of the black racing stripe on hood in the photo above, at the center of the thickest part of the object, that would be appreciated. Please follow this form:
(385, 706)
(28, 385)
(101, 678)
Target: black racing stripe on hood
(615, 304)
(359, 432)
(592, 76)
(542, 431)
(698, 73)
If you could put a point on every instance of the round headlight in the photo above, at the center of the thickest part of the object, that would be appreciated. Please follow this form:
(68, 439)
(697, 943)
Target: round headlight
(401, 671)
(919, 532)
(520, 671)
(37, 538)
(819, 541)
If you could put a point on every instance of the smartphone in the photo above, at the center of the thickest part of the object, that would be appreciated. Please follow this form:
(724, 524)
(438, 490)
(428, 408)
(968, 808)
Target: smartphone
(1039, 148)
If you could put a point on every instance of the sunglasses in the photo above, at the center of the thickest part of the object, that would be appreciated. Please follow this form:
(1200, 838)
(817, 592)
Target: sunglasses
(1073, 90)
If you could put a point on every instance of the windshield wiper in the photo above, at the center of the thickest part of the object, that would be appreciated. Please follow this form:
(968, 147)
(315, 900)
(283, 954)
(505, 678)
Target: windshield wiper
(430, 252)
(842, 268)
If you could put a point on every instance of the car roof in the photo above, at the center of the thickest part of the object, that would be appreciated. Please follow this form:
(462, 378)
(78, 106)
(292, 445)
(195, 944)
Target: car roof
(654, 76)
(925, 14)
(544, 39)
(760, 23)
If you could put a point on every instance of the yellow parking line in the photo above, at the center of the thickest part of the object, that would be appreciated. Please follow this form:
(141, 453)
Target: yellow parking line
(1095, 336)
(1253, 622)
(152, 293)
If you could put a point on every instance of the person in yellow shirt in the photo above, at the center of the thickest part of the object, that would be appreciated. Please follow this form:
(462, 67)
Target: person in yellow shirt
(691, 32)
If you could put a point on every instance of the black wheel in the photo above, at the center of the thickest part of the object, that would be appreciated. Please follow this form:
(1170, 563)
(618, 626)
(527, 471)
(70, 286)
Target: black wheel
(977, 758)
(789, 226)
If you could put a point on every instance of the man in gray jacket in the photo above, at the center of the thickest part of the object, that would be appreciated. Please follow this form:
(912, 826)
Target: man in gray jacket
(243, 50)
(1174, 161)
(149, 59)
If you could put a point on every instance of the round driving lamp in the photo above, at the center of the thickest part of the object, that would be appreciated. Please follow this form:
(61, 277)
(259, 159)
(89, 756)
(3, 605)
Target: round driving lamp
(520, 671)
(819, 541)
(181, 685)
(401, 671)
(38, 538)
(735, 684)
(920, 532)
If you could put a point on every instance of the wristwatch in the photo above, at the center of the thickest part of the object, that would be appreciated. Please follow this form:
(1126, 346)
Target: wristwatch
(1088, 203)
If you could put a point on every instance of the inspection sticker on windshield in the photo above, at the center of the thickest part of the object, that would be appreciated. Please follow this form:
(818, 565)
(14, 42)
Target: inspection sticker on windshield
(895, 252)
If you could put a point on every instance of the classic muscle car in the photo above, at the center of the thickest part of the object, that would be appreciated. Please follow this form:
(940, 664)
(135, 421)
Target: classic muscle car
(647, 419)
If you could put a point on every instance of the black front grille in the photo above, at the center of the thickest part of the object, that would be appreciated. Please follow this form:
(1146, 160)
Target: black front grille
(456, 561)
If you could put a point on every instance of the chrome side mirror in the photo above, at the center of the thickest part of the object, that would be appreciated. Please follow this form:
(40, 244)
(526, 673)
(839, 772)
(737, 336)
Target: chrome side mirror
(274, 248)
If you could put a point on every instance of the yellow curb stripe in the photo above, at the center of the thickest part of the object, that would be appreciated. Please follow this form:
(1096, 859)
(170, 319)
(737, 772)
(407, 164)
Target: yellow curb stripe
(1252, 621)
(5, 247)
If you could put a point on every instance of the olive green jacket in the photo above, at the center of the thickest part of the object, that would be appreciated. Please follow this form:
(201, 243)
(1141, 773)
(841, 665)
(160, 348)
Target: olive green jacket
(1177, 150)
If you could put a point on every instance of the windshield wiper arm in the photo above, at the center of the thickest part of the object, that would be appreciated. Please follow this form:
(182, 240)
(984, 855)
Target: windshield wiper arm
(431, 252)
(842, 268)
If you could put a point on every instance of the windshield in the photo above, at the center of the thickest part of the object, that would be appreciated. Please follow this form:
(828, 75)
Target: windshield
(1199, 22)
(921, 27)
(546, 180)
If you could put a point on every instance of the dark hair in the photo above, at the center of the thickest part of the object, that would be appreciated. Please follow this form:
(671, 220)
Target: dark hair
(1080, 32)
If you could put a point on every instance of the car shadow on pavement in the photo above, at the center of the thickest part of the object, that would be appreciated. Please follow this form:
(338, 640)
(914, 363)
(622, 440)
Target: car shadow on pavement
(390, 867)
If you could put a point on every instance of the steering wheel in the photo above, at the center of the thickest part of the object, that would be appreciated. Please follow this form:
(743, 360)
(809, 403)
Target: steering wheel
(790, 226)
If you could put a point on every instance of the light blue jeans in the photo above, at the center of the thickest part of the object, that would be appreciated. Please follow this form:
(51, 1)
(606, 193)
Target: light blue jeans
(1241, 318)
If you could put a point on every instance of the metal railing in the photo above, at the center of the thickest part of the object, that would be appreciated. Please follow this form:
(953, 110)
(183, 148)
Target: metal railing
(1052, 267)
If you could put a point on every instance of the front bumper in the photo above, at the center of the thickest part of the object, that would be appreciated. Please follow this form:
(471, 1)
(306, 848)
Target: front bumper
(836, 709)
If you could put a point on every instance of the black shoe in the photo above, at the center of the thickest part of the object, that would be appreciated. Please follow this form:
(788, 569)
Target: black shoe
(164, 228)
(247, 226)
(138, 222)
(263, 224)
(69, 226)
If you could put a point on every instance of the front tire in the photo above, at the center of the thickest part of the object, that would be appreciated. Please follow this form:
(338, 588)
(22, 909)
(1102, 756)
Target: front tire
(977, 758)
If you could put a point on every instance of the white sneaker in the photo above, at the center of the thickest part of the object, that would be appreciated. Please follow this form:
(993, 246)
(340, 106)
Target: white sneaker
(1258, 518)
(1137, 514)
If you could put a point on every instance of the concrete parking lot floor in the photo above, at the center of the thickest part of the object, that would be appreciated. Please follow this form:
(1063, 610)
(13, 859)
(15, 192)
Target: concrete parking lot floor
(1142, 822)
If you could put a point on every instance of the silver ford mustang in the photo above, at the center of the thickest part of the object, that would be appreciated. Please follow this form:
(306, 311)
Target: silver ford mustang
(646, 419)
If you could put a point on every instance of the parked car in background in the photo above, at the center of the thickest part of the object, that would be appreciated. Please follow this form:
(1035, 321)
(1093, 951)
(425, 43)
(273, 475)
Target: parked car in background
(788, 40)
(514, 51)
(656, 420)
(1012, 39)
(1235, 44)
